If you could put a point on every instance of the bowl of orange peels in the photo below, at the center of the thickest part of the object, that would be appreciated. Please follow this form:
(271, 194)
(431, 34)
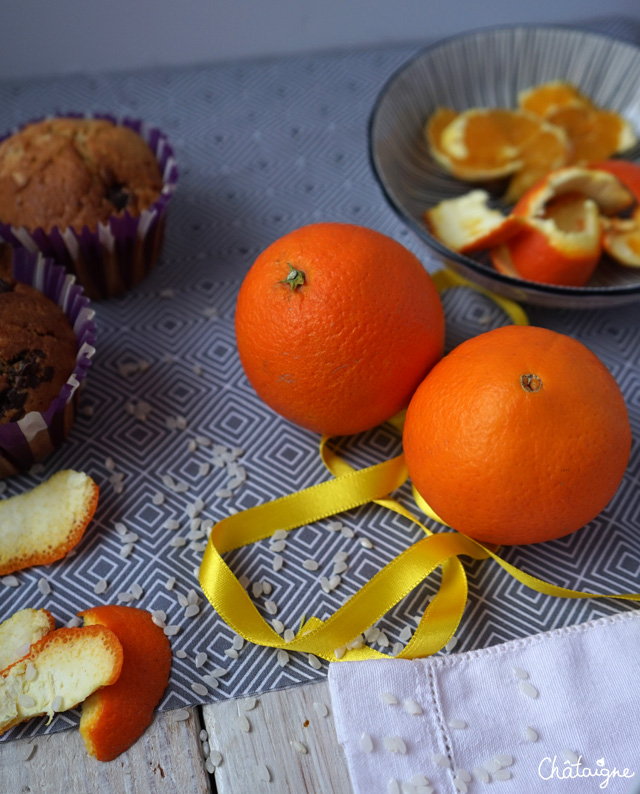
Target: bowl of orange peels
(461, 134)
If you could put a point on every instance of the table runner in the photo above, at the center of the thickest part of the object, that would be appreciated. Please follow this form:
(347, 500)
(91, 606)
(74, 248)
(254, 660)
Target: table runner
(169, 425)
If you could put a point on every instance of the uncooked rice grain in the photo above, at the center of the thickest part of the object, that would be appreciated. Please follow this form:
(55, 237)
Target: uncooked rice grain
(243, 723)
(179, 715)
(501, 774)
(289, 635)
(283, 657)
(393, 787)
(200, 689)
(262, 771)
(43, 586)
(100, 587)
(481, 774)
(310, 565)
(320, 709)
(528, 689)
(530, 734)
(457, 724)
(441, 760)
(389, 698)
(298, 746)
(10, 581)
(314, 662)
(411, 707)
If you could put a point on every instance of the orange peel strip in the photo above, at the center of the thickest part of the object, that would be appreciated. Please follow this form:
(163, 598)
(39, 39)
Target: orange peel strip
(20, 631)
(467, 223)
(116, 716)
(41, 525)
(60, 671)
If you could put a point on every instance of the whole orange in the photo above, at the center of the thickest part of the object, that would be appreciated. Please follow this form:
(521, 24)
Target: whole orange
(519, 435)
(336, 326)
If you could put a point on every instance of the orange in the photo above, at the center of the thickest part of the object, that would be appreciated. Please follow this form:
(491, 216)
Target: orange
(114, 717)
(593, 133)
(519, 435)
(336, 327)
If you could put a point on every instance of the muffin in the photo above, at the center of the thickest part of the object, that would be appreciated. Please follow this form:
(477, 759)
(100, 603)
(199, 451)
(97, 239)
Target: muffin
(75, 172)
(37, 346)
(90, 193)
(46, 344)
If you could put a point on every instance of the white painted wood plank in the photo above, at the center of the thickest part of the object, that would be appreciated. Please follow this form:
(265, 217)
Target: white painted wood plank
(166, 760)
(279, 718)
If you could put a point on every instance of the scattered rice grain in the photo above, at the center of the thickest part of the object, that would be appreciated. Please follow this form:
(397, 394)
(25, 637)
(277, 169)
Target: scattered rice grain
(456, 724)
(339, 652)
(201, 659)
(366, 543)
(262, 771)
(299, 747)
(215, 757)
(243, 723)
(171, 631)
(528, 689)
(520, 673)
(200, 689)
(248, 704)
(170, 583)
(481, 774)
(277, 546)
(231, 653)
(277, 563)
(10, 581)
(310, 565)
(393, 787)
(460, 785)
(278, 625)
(283, 657)
(44, 587)
(411, 707)
(314, 662)
(570, 756)
(441, 760)
(389, 699)
(502, 774)
(270, 607)
(320, 709)
(100, 587)
(530, 734)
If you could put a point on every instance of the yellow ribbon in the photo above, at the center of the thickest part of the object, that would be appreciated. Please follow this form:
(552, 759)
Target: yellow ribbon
(351, 488)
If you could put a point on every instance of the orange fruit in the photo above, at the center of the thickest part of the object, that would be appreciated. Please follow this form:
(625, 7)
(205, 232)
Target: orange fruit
(114, 717)
(336, 327)
(517, 436)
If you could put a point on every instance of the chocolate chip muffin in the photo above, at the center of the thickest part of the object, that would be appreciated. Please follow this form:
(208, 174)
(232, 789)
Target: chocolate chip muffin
(37, 346)
(75, 172)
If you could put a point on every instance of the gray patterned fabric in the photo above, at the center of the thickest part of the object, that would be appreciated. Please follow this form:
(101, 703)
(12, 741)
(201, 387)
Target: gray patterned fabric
(263, 147)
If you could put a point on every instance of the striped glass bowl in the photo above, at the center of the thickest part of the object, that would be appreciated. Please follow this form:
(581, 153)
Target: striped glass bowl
(488, 68)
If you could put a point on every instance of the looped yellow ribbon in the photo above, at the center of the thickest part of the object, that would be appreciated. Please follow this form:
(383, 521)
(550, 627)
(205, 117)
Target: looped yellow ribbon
(348, 489)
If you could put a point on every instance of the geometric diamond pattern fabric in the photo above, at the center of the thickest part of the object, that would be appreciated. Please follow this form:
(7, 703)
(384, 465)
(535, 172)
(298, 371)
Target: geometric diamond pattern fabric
(168, 419)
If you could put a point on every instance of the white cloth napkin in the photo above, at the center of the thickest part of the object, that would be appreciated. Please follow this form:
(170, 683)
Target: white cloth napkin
(524, 712)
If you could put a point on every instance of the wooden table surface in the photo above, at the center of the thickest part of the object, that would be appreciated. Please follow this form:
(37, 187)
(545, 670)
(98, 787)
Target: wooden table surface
(169, 757)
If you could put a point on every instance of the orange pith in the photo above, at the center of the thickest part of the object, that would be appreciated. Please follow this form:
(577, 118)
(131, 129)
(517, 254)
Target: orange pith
(343, 349)
(517, 436)
(116, 716)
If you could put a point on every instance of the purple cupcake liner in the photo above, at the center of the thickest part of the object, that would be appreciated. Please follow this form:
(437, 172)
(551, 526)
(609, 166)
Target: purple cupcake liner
(37, 434)
(120, 253)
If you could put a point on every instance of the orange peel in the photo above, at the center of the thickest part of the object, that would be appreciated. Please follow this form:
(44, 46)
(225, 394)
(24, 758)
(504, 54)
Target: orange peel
(621, 239)
(561, 239)
(480, 144)
(61, 670)
(468, 224)
(594, 133)
(627, 172)
(20, 631)
(545, 98)
(116, 716)
(40, 526)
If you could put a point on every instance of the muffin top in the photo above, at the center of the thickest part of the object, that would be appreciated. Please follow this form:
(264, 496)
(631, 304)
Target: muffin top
(37, 346)
(75, 172)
